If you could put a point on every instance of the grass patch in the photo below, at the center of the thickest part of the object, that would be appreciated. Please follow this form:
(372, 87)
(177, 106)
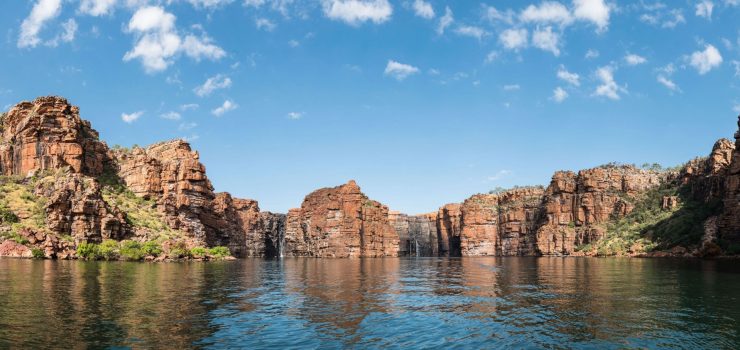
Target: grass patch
(219, 252)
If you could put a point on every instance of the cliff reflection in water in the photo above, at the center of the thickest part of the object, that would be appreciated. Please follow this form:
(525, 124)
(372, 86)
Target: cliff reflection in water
(327, 303)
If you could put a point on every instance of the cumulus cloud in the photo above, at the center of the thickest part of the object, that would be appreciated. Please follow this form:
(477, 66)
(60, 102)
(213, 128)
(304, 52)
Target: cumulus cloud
(356, 12)
(69, 29)
(445, 21)
(228, 105)
(264, 24)
(171, 115)
(634, 60)
(595, 11)
(668, 83)
(704, 61)
(608, 87)
(659, 15)
(42, 12)
(547, 12)
(591, 53)
(97, 7)
(295, 115)
(514, 39)
(559, 94)
(547, 40)
(131, 117)
(471, 31)
(399, 71)
(704, 9)
(158, 43)
(423, 9)
(568, 77)
(212, 84)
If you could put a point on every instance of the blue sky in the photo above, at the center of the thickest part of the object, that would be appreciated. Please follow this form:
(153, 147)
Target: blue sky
(422, 102)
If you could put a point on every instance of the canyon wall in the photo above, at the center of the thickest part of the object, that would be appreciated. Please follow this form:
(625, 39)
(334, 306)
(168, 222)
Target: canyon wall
(80, 186)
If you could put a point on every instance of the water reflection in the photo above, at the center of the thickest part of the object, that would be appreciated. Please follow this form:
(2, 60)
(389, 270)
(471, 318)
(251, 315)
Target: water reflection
(371, 303)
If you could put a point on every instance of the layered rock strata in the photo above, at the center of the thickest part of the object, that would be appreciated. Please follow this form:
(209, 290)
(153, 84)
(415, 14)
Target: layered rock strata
(340, 222)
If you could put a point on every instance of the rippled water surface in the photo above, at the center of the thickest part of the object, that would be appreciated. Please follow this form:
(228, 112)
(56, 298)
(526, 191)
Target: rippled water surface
(372, 303)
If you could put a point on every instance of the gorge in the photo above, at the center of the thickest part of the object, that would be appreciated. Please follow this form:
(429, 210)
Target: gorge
(64, 188)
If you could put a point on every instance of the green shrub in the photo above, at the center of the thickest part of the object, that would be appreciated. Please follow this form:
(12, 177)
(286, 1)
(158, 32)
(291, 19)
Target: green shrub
(88, 251)
(110, 250)
(198, 252)
(219, 252)
(151, 248)
(131, 250)
(178, 252)
(7, 216)
(37, 253)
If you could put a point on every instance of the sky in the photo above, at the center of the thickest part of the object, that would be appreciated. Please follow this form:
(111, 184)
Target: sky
(421, 102)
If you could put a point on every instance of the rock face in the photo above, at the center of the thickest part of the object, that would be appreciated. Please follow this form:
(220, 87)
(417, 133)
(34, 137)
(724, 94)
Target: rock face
(340, 222)
(48, 134)
(76, 207)
(729, 222)
(47, 138)
(575, 205)
(171, 174)
(417, 234)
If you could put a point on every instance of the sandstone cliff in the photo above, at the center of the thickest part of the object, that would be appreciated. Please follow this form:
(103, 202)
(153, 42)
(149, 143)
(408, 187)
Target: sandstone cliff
(64, 188)
(340, 222)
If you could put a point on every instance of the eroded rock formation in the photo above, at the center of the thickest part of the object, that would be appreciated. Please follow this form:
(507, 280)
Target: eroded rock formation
(417, 234)
(340, 222)
(729, 222)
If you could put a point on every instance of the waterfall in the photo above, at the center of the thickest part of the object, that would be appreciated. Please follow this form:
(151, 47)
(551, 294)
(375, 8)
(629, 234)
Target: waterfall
(281, 244)
(416, 241)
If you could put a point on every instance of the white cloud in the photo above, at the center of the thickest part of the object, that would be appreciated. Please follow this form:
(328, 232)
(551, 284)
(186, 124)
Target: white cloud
(512, 87)
(355, 12)
(399, 71)
(493, 15)
(445, 21)
(228, 105)
(131, 117)
(189, 107)
(171, 115)
(514, 39)
(559, 95)
(608, 87)
(737, 67)
(158, 43)
(547, 12)
(676, 19)
(568, 77)
(546, 40)
(471, 31)
(634, 60)
(97, 7)
(499, 175)
(209, 3)
(69, 29)
(293, 43)
(42, 12)
(595, 11)
(186, 126)
(264, 24)
(295, 115)
(736, 108)
(423, 9)
(704, 9)
(706, 60)
(668, 83)
(591, 54)
(212, 84)
(491, 57)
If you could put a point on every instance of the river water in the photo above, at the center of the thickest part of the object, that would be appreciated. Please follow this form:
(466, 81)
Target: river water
(372, 303)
